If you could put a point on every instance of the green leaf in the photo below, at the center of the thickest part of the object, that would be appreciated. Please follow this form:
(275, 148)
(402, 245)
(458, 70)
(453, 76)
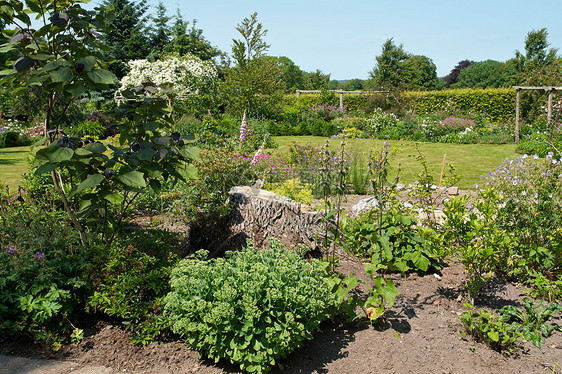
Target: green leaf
(45, 168)
(188, 172)
(88, 61)
(62, 75)
(90, 182)
(76, 89)
(100, 76)
(132, 179)
(96, 147)
(388, 291)
(114, 198)
(192, 153)
(55, 154)
(494, 336)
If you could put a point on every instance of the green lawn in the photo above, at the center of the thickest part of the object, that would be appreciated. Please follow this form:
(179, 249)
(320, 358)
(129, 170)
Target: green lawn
(13, 163)
(470, 160)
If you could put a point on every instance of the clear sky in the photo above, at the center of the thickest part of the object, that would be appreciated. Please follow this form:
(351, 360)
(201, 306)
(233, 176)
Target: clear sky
(343, 37)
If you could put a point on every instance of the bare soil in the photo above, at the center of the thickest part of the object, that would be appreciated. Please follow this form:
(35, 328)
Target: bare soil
(419, 334)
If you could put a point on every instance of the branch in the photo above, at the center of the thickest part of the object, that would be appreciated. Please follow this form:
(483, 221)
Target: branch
(68, 209)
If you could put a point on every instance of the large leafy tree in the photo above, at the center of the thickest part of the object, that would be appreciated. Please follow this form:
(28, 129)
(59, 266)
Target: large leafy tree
(487, 74)
(126, 33)
(453, 76)
(254, 84)
(537, 54)
(64, 56)
(419, 73)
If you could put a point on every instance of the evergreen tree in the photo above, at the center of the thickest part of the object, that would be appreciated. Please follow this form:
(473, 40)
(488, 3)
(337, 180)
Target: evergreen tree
(184, 40)
(388, 72)
(537, 54)
(126, 34)
(161, 32)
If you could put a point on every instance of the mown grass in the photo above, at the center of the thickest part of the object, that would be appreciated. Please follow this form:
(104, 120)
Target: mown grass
(470, 160)
(13, 163)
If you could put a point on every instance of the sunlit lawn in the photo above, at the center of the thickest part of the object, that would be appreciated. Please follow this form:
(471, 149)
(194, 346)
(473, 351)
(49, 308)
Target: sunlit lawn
(13, 163)
(470, 160)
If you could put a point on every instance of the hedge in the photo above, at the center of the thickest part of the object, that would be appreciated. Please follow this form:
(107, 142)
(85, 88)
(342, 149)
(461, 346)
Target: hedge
(497, 103)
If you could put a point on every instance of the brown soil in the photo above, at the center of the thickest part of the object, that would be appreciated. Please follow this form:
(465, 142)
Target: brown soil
(419, 334)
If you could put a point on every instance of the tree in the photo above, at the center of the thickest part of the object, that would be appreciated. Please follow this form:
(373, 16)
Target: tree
(537, 53)
(190, 41)
(419, 73)
(317, 80)
(160, 30)
(292, 77)
(252, 45)
(388, 71)
(453, 76)
(126, 34)
(487, 74)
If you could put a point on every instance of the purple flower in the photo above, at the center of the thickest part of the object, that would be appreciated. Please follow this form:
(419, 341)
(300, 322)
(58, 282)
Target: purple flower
(11, 249)
(39, 255)
(243, 129)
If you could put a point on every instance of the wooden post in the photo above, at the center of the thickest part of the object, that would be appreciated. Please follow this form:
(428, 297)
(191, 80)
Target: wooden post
(341, 100)
(298, 94)
(549, 113)
(517, 103)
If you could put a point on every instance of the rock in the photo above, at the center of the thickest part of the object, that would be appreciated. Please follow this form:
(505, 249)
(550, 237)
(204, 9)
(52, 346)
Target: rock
(453, 191)
(364, 205)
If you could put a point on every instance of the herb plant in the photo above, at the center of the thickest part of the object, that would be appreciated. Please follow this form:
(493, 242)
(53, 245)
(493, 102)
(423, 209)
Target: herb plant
(252, 307)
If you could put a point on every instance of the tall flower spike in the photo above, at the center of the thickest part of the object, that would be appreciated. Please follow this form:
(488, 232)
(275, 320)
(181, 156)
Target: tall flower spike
(243, 129)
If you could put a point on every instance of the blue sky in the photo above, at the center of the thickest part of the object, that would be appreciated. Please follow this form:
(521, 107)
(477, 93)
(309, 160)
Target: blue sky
(343, 37)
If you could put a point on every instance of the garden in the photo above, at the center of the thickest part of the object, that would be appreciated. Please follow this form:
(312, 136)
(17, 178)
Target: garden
(437, 245)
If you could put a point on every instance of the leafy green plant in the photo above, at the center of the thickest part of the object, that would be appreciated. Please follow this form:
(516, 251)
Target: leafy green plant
(292, 188)
(482, 243)
(134, 280)
(531, 322)
(485, 327)
(43, 270)
(393, 242)
(252, 307)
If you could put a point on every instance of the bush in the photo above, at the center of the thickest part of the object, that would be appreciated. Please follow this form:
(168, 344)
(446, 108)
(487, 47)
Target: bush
(497, 103)
(135, 280)
(252, 307)
(44, 270)
(9, 139)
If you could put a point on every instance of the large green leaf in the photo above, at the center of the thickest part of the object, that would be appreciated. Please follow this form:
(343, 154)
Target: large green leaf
(62, 75)
(90, 182)
(55, 154)
(100, 76)
(96, 147)
(192, 153)
(188, 172)
(114, 198)
(132, 179)
(76, 89)
(386, 288)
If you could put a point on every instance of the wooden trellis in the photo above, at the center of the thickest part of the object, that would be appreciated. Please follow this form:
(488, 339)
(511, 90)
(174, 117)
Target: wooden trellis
(340, 92)
(518, 89)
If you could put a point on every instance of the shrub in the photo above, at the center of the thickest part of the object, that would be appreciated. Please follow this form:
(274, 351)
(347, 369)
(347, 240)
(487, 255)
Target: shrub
(135, 280)
(44, 270)
(497, 103)
(292, 188)
(252, 307)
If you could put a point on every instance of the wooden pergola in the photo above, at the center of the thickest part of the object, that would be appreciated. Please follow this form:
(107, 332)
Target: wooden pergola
(341, 93)
(518, 89)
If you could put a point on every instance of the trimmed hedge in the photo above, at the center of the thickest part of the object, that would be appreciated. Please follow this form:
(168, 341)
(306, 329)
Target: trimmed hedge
(497, 103)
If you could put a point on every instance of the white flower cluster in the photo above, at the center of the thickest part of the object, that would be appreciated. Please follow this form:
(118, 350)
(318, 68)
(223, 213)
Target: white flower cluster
(184, 74)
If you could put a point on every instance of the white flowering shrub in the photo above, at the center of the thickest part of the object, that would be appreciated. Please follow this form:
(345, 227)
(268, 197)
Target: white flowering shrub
(185, 74)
